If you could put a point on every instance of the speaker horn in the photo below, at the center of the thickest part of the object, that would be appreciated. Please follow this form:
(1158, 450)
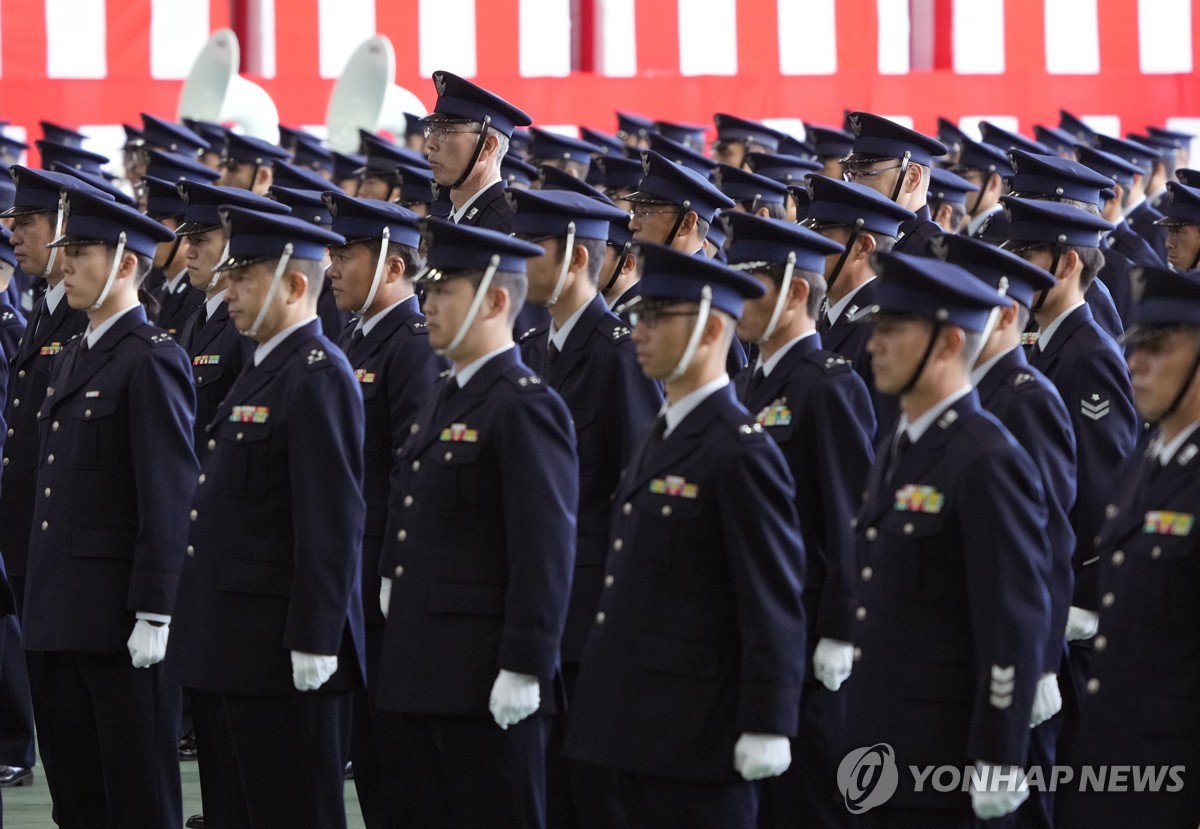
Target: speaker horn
(367, 97)
(214, 91)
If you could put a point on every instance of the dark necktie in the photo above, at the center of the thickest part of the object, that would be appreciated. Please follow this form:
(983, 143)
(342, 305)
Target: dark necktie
(551, 357)
(657, 433)
(357, 337)
(445, 396)
(900, 447)
(756, 382)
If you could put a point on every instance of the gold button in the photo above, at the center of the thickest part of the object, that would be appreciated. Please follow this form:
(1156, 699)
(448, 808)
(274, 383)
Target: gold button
(867, 572)
(87, 413)
(202, 478)
(908, 529)
(600, 617)
(1108, 600)
(416, 466)
(618, 544)
(408, 500)
(241, 435)
(1093, 685)
(212, 444)
(53, 426)
(45, 526)
(47, 492)
(50, 458)
(402, 535)
(194, 515)
(448, 456)
(872, 533)
(1156, 553)
(1118, 558)
(416, 427)
(666, 510)
(191, 551)
(857, 654)
(1100, 643)
(608, 581)
(399, 571)
(860, 614)
(626, 508)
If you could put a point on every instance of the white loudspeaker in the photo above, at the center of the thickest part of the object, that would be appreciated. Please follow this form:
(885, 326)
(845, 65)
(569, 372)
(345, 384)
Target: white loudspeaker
(214, 91)
(366, 97)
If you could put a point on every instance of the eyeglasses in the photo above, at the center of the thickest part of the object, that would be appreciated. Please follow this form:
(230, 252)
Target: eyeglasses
(442, 133)
(641, 211)
(856, 175)
(652, 317)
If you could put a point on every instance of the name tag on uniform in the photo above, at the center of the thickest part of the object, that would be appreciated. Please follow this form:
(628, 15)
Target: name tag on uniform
(50, 350)
(249, 414)
(777, 414)
(459, 433)
(364, 376)
(1159, 522)
(919, 498)
(675, 485)
(206, 359)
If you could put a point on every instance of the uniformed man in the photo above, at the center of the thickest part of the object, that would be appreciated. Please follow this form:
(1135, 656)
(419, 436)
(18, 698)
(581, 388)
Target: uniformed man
(269, 637)
(634, 130)
(950, 134)
(12, 321)
(738, 137)
(246, 163)
(212, 342)
(1059, 140)
(388, 349)
(705, 568)
(61, 135)
(479, 552)
(1141, 705)
(379, 177)
(819, 413)
(68, 155)
(616, 178)
(751, 192)
(788, 170)
(689, 135)
(1086, 367)
(345, 171)
(989, 169)
(948, 195)
(215, 135)
(1005, 140)
(830, 146)
(104, 555)
(683, 155)
(1029, 406)
(1075, 125)
(517, 173)
(295, 177)
(952, 618)
(11, 150)
(571, 155)
(1181, 218)
(878, 143)
(863, 222)
(1136, 209)
(608, 144)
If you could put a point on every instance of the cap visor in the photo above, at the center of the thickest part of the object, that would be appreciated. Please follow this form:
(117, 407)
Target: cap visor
(194, 228)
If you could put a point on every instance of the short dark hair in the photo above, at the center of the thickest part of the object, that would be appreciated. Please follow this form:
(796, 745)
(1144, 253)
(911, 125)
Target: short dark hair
(816, 285)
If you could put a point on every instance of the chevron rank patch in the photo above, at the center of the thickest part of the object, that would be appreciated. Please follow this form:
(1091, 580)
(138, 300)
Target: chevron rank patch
(459, 433)
(1029, 338)
(675, 485)
(249, 414)
(919, 498)
(776, 414)
(1004, 681)
(364, 376)
(316, 356)
(50, 350)
(206, 360)
(1160, 522)
(1093, 408)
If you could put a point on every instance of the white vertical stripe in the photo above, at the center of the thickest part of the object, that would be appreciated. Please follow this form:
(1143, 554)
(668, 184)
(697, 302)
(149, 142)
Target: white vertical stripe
(616, 39)
(545, 38)
(707, 37)
(893, 55)
(342, 26)
(807, 37)
(970, 124)
(75, 39)
(1165, 36)
(978, 37)
(446, 29)
(178, 31)
(108, 140)
(1072, 37)
(258, 56)
(1104, 124)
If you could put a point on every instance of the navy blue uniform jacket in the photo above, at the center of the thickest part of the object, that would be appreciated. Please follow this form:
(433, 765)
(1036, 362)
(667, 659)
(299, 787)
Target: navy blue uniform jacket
(115, 469)
(850, 340)
(176, 307)
(273, 556)
(218, 353)
(916, 233)
(700, 634)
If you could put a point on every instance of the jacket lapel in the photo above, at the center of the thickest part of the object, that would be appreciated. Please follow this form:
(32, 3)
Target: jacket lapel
(576, 344)
(433, 419)
(657, 458)
(86, 364)
(255, 377)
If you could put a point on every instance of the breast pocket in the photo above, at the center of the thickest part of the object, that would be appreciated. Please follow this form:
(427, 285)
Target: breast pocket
(246, 451)
(375, 407)
(95, 434)
(206, 376)
(670, 532)
(916, 548)
(459, 481)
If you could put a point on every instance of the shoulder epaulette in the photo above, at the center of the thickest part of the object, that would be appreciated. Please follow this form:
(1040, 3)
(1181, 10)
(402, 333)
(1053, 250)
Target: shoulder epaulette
(151, 334)
(315, 357)
(530, 333)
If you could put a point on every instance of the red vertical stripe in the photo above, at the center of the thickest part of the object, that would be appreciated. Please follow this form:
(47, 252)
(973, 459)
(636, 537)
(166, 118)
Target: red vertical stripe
(127, 43)
(857, 24)
(220, 14)
(758, 37)
(1025, 36)
(398, 20)
(497, 38)
(22, 44)
(1118, 22)
(586, 26)
(657, 34)
(297, 39)
(943, 34)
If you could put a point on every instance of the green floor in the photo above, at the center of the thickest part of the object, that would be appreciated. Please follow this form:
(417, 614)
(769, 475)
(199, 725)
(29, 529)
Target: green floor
(28, 807)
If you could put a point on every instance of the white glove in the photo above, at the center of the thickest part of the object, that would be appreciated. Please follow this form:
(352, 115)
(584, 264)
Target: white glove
(832, 661)
(1082, 624)
(148, 643)
(310, 670)
(1047, 700)
(385, 596)
(756, 756)
(514, 697)
(1004, 788)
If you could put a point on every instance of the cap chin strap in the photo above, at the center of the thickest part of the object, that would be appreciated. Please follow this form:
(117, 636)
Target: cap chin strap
(979, 199)
(473, 311)
(616, 274)
(784, 288)
(112, 275)
(683, 211)
(216, 274)
(487, 120)
(275, 280)
(900, 179)
(841, 263)
(174, 250)
(58, 228)
(566, 266)
(912, 381)
(694, 340)
(1041, 300)
(379, 266)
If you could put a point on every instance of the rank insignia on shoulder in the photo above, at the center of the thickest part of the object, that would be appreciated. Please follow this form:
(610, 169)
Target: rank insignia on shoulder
(7, 315)
(1159, 522)
(419, 326)
(50, 350)
(249, 414)
(1022, 378)
(206, 360)
(1186, 454)
(776, 414)
(747, 429)
(1029, 338)
(459, 433)
(1094, 408)
(831, 362)
(919, 498)
(851, 311)
(94, 393)
(316, 356)
(946, 420)
(364, 376)
(472, 212)
(161, 337)
(529, 380)
(675, 485)
(619, 332)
